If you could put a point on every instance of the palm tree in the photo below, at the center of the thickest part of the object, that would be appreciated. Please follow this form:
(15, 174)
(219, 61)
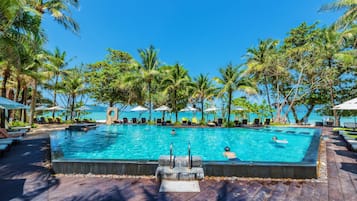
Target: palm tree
(231, 80)
(348, 18)
(59, 61)
(203, 89)
(149, 70)
(73, 85)
(176, 84)
(259, 63)
(59, 10)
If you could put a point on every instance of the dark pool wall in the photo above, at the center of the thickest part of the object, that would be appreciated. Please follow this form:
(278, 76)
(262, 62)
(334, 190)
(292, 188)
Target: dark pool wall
(263, 170)
(105, 167)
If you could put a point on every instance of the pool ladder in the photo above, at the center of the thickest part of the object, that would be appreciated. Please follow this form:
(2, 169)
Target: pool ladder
(189, 164)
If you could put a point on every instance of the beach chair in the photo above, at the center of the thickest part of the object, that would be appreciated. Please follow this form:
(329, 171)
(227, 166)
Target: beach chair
(125, 120)
(211, 124)
(50, 120)
(42, 120)
(244, 122)
(256, 122)
(267, 122)
(220, 121)
(237, 123)
(184, 121)
(194, 121)
(134, 121)
(58, 120)
(143, 120)
(14, 136)
(158, 122)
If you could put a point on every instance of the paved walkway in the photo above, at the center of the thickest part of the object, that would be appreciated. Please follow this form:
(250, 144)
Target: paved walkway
(24, 177)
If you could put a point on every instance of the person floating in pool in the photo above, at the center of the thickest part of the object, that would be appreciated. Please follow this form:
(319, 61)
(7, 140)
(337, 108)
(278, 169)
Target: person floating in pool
(229, 154)
(276, 140)
(173, 132)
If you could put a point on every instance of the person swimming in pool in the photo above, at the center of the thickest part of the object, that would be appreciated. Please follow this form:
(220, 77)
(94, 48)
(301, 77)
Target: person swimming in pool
(229, 154)
(173, 132)
(275, 139)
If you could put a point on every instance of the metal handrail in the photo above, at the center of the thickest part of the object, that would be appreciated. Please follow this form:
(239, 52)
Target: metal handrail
(171, 156)
(189, 156)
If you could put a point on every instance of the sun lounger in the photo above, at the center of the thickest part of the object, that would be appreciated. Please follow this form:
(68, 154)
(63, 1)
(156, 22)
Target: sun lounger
(237, 123)
(267, 122)
(350, 125)
(220, 121)
(194, 121)
(143, 120)
(125, 120)
(211, 124)
(5, 135)
(256, 122)
(244, 122)
(158, 122)
(133, 120)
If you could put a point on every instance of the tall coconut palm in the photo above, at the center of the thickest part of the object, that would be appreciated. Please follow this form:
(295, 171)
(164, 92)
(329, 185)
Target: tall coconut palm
(231, 80)
(73, 85)
(149, 71)
(349, 16)
(176, 84)
(59, 61)
(203, 89)
(259, 64)
(59, 10)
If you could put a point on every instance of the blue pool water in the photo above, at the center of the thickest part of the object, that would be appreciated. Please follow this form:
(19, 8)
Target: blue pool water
(145, 142)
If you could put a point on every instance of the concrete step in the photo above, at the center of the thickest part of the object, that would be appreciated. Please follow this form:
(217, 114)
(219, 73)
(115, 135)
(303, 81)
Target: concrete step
(179, 173)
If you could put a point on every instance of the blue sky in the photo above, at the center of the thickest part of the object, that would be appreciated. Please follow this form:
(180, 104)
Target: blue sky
(202, 35)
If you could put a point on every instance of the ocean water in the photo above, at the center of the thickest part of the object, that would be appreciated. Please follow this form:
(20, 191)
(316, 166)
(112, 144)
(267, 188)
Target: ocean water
(148, 142)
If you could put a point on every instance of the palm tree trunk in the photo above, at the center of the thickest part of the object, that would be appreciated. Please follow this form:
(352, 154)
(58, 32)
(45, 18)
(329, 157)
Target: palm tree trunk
(175, 105)
(55, 96)
(202, 112)
(23, 101)
(229, 105)
(149, 86)
(72, 105)
(268, 97)
(33, 102)
(6, 76)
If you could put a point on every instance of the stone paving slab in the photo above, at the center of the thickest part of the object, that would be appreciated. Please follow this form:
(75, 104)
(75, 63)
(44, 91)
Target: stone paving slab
(24, 175)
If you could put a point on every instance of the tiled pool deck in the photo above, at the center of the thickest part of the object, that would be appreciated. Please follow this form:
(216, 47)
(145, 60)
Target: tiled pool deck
(24, 177)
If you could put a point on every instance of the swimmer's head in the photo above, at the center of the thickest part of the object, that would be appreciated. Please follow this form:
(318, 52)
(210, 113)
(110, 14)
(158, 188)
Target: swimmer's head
(227, 148)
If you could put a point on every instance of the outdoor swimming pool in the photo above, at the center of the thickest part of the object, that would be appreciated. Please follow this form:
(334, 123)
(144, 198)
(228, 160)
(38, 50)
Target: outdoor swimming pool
(144, 144)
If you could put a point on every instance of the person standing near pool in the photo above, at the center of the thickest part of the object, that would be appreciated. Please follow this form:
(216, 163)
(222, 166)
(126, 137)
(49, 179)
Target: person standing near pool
(229, 154)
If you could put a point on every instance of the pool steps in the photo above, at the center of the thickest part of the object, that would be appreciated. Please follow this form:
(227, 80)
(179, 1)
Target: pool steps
(179, 168)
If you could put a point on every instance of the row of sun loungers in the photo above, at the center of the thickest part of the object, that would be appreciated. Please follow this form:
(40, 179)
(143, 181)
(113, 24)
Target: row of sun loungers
(352, 142)
(8, 139)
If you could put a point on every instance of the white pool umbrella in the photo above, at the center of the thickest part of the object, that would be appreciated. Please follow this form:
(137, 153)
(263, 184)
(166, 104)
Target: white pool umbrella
(188, 109)
(139, 109)
(42, 107)
(211, 109)
(56, 108)
(348, 105)
(163, 108)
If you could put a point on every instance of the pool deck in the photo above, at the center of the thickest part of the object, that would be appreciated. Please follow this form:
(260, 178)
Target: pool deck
(24, 176)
